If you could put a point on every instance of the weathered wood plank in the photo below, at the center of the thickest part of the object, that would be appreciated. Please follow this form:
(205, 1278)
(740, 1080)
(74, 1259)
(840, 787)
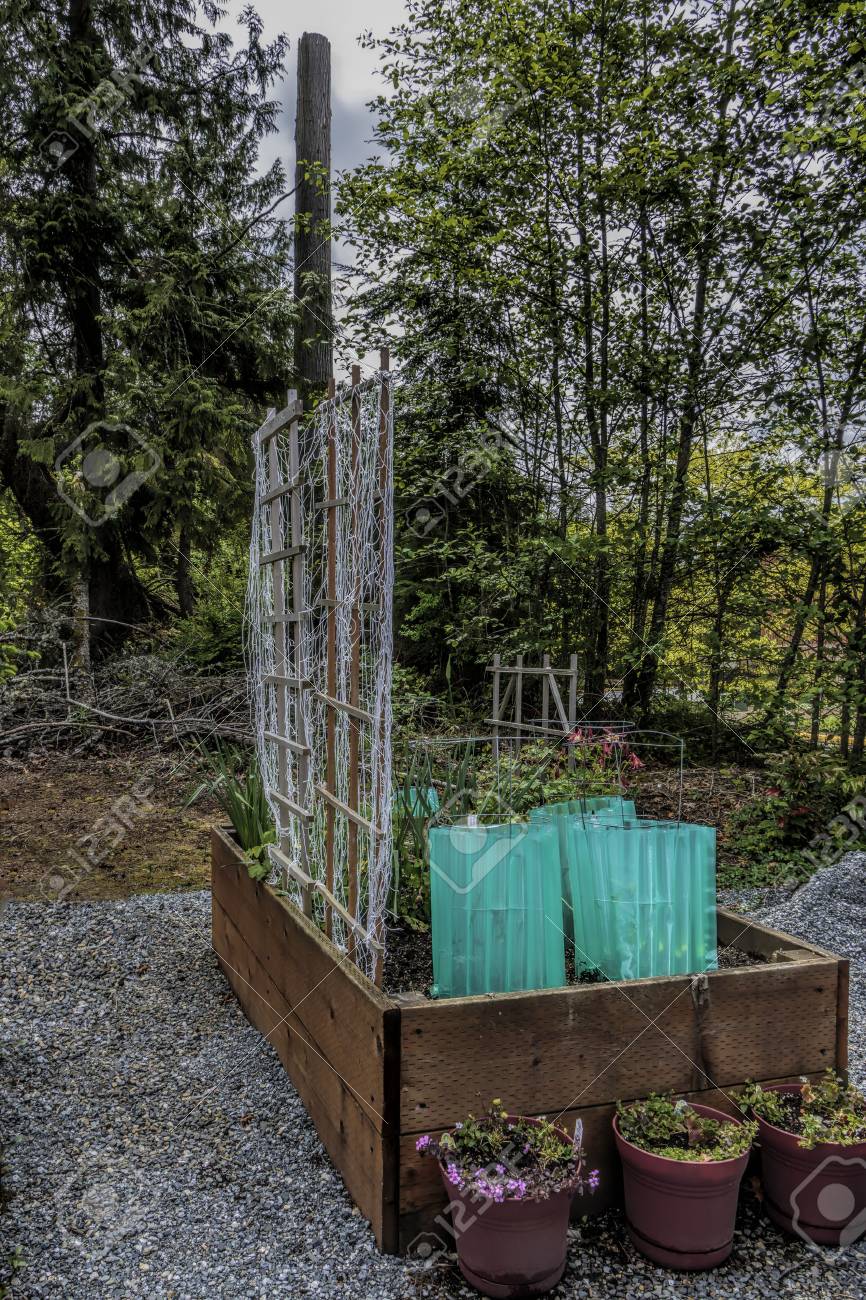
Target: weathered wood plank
(752, 936)
(342, 1010)
(582, 1046)
(351, 1134)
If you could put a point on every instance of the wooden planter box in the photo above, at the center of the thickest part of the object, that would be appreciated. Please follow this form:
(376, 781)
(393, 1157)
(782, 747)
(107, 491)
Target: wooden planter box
(375, 1071)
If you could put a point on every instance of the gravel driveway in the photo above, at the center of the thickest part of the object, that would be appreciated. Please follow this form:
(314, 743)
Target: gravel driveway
(154, 1147)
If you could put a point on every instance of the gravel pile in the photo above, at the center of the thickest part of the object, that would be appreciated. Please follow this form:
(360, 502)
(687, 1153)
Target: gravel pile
(830, 910)
(154, 1147)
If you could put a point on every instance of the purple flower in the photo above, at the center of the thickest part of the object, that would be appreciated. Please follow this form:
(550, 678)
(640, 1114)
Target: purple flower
(452, 1173)
(500, 1169)
(423, 1143)
(594, 1179)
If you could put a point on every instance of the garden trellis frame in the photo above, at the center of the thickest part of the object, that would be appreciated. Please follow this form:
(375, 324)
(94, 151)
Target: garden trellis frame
(319, 653)
(512, 694)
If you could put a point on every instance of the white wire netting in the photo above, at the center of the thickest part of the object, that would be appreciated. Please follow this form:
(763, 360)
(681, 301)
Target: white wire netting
(346, 517)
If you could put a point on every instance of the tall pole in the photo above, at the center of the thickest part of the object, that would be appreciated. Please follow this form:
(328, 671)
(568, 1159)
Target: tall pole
(314, 353)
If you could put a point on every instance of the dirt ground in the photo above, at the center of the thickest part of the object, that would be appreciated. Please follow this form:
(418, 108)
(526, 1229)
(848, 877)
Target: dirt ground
(76, 826)
(88, 826)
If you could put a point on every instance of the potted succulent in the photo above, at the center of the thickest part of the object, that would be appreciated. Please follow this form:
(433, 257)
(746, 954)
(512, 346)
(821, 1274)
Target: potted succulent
(510, 1181)
(682, 1166)
(813, 1157)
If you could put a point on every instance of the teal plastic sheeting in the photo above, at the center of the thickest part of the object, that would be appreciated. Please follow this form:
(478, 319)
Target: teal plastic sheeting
(560, 813)
(591, 804)
(642, 894)
(420, 799)
(496, 908)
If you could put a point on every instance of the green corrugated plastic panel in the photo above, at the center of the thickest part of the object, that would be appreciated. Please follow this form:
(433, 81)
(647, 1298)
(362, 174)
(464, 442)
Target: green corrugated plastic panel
(643, 895)
(591, 804)
(420, 799)
(496, 908)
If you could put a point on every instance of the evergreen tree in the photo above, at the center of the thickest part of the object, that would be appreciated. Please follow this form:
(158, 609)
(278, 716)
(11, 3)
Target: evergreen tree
(146, 310)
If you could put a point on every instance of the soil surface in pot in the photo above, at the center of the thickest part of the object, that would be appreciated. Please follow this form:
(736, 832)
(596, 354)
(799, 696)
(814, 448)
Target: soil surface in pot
(409, 961)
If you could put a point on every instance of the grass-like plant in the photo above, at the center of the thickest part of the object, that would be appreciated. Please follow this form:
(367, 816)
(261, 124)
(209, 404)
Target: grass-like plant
(508, 1159)
(236, 783)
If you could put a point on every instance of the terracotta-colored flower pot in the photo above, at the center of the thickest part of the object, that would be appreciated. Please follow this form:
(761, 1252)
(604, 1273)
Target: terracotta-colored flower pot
(681, 1213)
(510, 1248)
(819, 1193)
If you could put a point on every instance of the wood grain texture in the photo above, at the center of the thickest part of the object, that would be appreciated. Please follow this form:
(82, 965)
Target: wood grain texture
(336, 1034)
(374, 1071)
(563, 1047)
(342, 1008)
(350, 1132)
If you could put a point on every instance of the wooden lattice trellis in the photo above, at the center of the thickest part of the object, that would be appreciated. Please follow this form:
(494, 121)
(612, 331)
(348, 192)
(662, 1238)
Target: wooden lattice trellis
(319, 619)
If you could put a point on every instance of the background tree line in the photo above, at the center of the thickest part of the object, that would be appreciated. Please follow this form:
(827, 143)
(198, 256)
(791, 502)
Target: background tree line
(622, 244)
(618, 248)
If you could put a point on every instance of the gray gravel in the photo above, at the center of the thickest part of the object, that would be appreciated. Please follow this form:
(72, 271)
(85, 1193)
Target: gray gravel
(154, 1147)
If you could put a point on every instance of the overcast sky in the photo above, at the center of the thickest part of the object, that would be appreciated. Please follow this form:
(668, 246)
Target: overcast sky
(353, 79)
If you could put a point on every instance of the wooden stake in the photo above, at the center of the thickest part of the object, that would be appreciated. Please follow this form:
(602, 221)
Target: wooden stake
(354, 675)
(281, 631)
(331, 661)
(384, 503)
(572, 706)
(518, 699)
(296, 540)
(496, 684)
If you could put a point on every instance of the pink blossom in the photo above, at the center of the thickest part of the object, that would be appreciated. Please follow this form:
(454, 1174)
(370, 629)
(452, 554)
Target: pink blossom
(423, 1143)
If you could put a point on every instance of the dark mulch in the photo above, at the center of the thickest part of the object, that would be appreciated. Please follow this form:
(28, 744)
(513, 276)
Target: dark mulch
(731, 957)
(409, 962)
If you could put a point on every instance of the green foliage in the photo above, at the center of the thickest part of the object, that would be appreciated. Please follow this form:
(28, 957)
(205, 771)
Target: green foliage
(805, 792)
(212, 636)
(674, 1129)
(19, 574)
(620, 444)
(467, 777)
(238, 786)
(829, 1111)
(141, 279)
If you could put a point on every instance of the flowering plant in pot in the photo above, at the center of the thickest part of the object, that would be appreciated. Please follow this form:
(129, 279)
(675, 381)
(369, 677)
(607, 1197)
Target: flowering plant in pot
(682, 1165)
(813, 1157)
(510, 1182)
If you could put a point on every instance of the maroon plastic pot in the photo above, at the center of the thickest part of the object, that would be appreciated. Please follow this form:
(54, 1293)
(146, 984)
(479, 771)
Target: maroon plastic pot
(681, 1213)
(510, 1248)
(817, 1194)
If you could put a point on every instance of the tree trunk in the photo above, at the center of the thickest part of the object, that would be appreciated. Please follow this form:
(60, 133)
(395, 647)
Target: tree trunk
(692, 402)
(183, 583)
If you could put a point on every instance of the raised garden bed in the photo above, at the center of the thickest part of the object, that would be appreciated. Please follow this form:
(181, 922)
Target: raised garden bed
(375, 1071)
